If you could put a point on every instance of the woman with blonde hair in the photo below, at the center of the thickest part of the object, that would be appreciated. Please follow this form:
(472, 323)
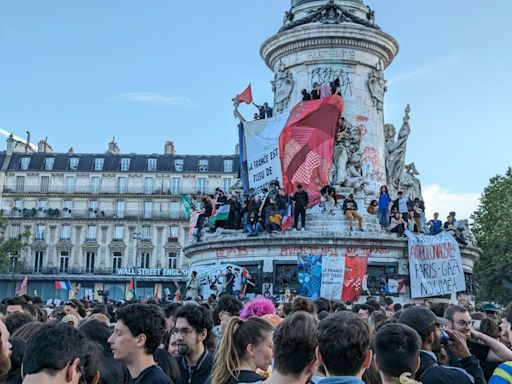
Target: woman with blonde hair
(245, 347)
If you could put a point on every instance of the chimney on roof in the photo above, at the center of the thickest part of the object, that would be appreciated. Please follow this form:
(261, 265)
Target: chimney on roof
(113, 148)
(44, 147)
(71, 151)
(169, 148)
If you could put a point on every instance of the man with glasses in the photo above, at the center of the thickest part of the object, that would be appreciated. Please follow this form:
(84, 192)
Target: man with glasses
(55, 354)
(192, 332)
(138, 332)
(428, 326)
(489, 351)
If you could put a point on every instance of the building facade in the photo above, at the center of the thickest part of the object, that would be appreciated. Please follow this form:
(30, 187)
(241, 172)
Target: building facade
(98, 219)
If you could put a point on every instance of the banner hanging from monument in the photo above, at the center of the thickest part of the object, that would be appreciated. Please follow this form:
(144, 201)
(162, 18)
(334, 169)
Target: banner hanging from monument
(295, 147)
(306, 145)
(321, 276)
(435, 265)
(262, 150)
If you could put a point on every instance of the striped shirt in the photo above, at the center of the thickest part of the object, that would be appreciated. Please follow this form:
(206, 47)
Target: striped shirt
(502, 374)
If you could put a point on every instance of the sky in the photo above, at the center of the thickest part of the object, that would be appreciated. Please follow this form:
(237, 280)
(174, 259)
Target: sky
(80, 73)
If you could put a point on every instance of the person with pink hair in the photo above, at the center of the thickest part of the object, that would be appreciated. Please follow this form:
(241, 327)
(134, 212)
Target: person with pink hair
(257, 308)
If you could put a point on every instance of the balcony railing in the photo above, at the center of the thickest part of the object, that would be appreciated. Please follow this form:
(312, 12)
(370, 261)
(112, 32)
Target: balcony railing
(106, 190)
(94, 214)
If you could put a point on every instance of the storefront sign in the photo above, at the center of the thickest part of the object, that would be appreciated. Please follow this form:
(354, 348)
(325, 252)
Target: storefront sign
(152, 272)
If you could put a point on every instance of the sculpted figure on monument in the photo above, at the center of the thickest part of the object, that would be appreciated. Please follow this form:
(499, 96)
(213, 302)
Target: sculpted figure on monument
(341, 155)
(395, 150)
(410, 184)
(282, 86)
(377, 86)
(355, 177)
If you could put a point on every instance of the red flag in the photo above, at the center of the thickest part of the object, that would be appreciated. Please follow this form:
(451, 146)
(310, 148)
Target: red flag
(355, 269)
(246, 96)
(306, 145)
(156, 294)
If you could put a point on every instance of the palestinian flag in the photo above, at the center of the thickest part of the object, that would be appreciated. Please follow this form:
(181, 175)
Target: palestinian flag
(186, 201)
(222, 213)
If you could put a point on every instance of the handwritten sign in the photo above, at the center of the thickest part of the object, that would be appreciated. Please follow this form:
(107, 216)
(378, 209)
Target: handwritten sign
(435, 265)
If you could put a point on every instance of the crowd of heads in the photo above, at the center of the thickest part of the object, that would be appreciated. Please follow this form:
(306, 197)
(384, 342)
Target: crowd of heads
(232, 341)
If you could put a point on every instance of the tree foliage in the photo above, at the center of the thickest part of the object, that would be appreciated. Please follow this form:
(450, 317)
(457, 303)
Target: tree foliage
(493, 230)
(10, 247)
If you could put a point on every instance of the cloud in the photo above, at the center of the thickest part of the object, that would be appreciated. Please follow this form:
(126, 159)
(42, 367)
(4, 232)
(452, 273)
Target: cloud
(442, 200)
(7, 33)
(153, 98)
(441, 65)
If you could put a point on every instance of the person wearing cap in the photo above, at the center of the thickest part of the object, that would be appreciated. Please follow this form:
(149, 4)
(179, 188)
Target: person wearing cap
(486, 349)
(490, 310)
(425, 322)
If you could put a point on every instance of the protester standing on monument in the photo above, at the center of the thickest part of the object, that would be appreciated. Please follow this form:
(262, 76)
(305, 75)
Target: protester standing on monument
(192, 286)
(383, 212)
(301, 199)
(402, 205)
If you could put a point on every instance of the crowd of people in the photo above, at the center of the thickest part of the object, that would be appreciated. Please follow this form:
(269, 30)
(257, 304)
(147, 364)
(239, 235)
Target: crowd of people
(227, 341)
(267, 211)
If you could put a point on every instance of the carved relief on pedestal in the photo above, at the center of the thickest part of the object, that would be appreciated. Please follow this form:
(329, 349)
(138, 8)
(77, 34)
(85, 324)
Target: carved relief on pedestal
(282, 86)
(377, 86)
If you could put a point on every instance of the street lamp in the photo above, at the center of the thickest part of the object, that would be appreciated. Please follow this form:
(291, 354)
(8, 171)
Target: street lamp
(137, 236)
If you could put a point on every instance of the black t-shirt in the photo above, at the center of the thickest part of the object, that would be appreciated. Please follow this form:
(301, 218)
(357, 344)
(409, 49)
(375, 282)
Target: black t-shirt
(247, 377)
(230, 279)
(152, 375)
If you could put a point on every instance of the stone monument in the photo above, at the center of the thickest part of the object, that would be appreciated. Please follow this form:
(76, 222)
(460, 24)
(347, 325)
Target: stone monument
(328, 42)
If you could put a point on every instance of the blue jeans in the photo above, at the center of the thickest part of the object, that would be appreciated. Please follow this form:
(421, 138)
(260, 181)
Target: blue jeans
(254, 230)
(383, 217)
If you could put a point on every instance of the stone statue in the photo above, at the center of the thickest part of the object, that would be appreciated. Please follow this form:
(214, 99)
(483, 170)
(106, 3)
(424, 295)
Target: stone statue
(410, 184)
(282, 86)
(377, 86)
(236, 104)
(355, 177)
(395, 150)
(339, 168)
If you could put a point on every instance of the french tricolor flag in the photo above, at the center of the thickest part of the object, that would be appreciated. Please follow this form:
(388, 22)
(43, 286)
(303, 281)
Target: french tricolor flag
(63, 285)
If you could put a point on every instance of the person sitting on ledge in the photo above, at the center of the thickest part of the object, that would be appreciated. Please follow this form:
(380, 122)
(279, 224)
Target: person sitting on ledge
(350, 210)
(254, 226)
(373, 208)
(274, 221)
(398, 224)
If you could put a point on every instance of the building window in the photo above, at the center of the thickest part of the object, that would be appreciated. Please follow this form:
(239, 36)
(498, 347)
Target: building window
(38, 261)
(121, 185)
(203, 165)
(228, 166)
(25, 161)
(95, 184)
(118, 232)
(148, 206)
(98, 164)
(17, 210)
(48, 163)
(173, 260)
(226, 184)
(120, 209)
(201, 185)
(70, 184)
(174, 208)
(73, 163)
(91, 233)
(66, 209)
(176, 185)
(15, 231)
(144, 260)
(93, 208)
(40, 229)
(20, 183)
(125, 164)
(117, 260)
(148, 185)
(151, 165)
(45, 184)
(173, 231)
(64, 262)
(89, 261)
(146, 233)
(178, 165)
(66, 232)
(42, 205)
